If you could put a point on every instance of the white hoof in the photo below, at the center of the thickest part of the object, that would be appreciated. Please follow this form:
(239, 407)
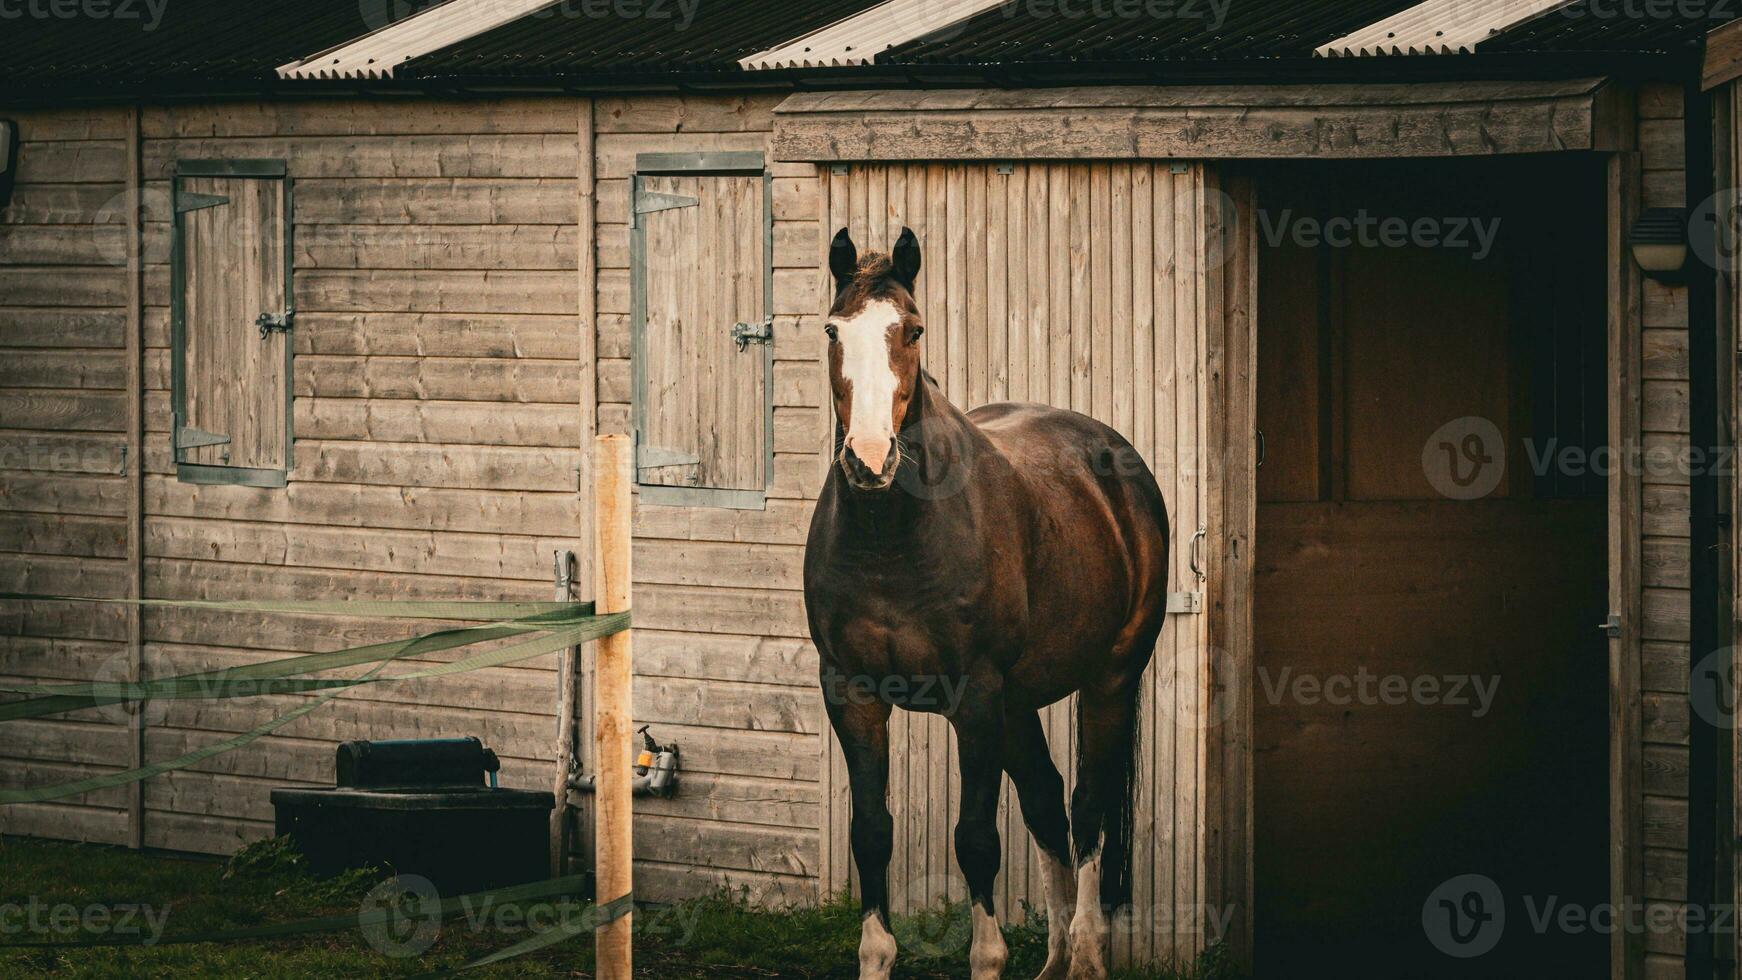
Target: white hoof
(876, 949)
(1089, 927)
(1060, 898)
(987, 957)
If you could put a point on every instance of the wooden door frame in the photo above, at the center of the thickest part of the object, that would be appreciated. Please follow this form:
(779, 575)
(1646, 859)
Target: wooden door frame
(1229, 805)
(1626, 496)
(1231, 489)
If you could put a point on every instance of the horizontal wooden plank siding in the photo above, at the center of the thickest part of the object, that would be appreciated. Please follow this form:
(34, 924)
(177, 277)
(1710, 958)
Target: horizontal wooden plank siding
(1198, 122)
(63, 413)
(1663, 574)
(724, 663)
(437, 423)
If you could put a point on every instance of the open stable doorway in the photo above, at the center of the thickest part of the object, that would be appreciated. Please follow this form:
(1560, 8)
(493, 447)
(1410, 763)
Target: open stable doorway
(1430, 698)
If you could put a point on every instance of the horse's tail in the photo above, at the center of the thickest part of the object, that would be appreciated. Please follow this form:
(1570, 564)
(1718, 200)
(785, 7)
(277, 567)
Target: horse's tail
(1119, 816)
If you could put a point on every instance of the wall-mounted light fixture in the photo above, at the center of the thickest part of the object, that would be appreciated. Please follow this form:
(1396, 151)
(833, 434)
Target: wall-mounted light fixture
(8, 160)
(1659, 241)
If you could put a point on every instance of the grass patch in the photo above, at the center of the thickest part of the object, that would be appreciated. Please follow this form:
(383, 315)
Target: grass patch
(52, 892)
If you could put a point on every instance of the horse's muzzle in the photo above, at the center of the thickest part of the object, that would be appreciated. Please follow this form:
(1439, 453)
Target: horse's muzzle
(861, 477)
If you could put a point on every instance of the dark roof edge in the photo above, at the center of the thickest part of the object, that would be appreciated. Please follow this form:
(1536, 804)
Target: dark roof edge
(1412, 68)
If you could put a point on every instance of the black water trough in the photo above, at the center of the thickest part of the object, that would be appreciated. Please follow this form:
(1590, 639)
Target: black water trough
(421, 807)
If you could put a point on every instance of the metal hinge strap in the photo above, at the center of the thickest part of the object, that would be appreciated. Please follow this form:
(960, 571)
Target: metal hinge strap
(647, 202)
(194, 439)
(189, 201)
(654, 458)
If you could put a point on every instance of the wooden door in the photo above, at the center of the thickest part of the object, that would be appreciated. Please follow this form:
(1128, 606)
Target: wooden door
(1093, 287)
(234, 370)
(703, 357)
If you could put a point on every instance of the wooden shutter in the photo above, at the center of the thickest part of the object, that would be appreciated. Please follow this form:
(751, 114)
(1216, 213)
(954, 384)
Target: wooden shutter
(702, 351)
(231, 319)
(1095, 287)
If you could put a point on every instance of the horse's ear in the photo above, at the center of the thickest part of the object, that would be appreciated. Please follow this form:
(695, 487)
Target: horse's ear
(843, 259)
(905, 259)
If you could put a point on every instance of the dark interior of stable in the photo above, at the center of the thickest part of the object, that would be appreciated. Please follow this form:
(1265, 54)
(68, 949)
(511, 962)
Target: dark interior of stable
(1389, 366)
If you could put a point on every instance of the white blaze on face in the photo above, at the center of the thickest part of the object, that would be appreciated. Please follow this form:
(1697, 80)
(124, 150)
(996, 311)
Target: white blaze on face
(864, 340)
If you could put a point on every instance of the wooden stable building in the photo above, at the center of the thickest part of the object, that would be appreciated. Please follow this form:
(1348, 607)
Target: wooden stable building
(333, 315)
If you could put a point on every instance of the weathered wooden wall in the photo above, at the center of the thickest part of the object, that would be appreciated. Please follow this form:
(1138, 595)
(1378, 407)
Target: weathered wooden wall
(63, 495)
(724, 664)
(1664, 596)
(437, 447)
(437, 419)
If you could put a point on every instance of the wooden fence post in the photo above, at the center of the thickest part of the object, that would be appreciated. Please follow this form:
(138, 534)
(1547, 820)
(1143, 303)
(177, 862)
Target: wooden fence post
(613, 459)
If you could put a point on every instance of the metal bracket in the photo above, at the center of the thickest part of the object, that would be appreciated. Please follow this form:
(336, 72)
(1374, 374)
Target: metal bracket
(189, 201)
(1611, 627)
(195, 439)
(273, 323)
(1185, 602)
(745, 334)
(647, 202)
(1006, 169)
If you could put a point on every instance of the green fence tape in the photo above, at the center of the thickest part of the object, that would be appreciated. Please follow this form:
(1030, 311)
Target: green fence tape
(467, 610)
(245, 681)
(595, 917)
(572, 632)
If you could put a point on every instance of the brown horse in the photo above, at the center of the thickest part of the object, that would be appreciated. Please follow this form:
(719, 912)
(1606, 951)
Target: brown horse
(981, 566)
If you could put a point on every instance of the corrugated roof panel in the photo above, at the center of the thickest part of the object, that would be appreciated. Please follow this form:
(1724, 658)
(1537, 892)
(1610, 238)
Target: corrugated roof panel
(1040, 32)
(1436, 27)
(377, 55)
(859, 39)
(577, 39)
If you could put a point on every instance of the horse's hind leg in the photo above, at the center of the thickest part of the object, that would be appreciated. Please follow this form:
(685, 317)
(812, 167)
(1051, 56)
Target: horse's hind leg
(1101, 821)
(1041, 791)
(863, 731)
(979, 725)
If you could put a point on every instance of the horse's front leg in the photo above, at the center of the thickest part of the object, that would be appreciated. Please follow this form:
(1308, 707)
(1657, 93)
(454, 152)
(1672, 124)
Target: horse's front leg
(979, 725)
(862, 727)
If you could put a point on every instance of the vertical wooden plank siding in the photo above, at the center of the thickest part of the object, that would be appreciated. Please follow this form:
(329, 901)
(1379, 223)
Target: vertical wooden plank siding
(1055, 237)
(66, 501)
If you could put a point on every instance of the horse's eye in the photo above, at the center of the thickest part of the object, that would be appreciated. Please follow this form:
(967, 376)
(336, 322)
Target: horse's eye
(829, 329)
(913, 335)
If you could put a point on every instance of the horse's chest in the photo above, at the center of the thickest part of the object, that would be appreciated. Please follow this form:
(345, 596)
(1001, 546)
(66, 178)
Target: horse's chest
(933, 628)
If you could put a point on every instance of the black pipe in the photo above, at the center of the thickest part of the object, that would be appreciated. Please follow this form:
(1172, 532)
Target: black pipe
(1703, 549)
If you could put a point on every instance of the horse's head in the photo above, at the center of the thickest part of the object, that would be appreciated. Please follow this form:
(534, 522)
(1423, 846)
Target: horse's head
(874, 328)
